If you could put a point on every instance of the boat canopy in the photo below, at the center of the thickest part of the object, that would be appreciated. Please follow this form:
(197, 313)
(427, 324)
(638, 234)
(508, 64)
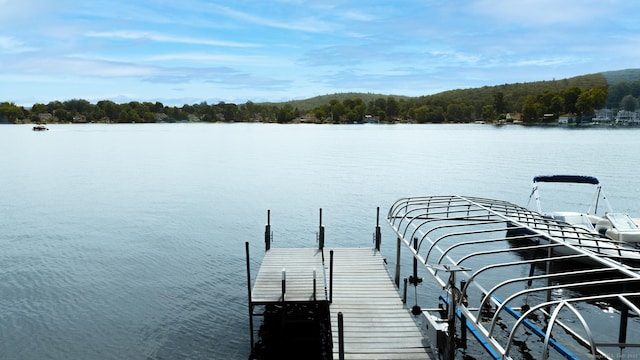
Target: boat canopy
(567, 179)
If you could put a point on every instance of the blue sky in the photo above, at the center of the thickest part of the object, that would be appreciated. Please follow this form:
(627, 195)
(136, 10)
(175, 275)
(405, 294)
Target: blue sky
(190, 51)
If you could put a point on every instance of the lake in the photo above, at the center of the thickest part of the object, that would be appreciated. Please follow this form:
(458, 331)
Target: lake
(127, 241)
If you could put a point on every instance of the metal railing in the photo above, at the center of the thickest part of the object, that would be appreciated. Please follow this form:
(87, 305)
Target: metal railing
(521, 274)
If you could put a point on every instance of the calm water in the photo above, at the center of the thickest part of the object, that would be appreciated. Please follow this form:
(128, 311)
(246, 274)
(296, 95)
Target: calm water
(127, 241)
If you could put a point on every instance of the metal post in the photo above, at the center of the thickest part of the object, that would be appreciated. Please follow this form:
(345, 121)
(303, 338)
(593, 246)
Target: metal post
(378, 232)
(321, 233)
(340, 336)
(249, 294)
(624, 316)
(463, 319)
(451, 318)
(267, 232)
(451, 306)
(397, 274)
(284, 283)
(404, 297)
(314, 285)
(330, 276)
(415, 262)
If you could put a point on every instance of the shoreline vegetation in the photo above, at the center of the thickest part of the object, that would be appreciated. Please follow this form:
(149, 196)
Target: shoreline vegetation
(535, 103)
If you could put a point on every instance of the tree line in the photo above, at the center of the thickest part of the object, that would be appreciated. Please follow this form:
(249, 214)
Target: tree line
(81, 111)
(537, 101)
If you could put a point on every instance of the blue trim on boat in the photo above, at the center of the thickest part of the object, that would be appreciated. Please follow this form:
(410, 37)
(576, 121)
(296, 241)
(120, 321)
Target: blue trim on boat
(567, 179)
(556, 345)
(561, 349)
(471, 326)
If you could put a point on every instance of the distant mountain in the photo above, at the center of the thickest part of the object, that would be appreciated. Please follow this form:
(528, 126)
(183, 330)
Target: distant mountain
(311, 103)
(628, 75)
(514, 93)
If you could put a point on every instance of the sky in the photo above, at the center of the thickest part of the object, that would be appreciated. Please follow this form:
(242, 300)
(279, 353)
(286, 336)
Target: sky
(194, 51)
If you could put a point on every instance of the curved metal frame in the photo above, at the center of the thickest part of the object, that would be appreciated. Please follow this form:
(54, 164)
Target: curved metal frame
(432, 227)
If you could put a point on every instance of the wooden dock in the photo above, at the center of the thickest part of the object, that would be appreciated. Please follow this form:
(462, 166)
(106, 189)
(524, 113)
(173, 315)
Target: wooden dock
(376, 323)
(298, 266)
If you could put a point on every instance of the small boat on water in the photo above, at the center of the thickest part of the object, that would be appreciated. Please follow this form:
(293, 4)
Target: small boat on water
(613, 225)
(40, 128)
(610, 235)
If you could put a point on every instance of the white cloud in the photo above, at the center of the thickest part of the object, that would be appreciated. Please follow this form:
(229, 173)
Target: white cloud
(533, 13)
(302, 23)
(11, 45)
(157, 37)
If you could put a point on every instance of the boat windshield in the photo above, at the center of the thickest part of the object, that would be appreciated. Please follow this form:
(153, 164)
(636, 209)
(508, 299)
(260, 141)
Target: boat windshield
(574, 218)
(621, 221)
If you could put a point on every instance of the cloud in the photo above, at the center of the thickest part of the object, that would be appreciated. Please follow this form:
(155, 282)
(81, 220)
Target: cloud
(208, 58)
(157, 37)
(9, 44)
(545, 12)
(302, 23)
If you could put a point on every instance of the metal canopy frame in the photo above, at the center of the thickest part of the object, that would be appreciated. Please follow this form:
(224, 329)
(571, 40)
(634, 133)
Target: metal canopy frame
(521, 271)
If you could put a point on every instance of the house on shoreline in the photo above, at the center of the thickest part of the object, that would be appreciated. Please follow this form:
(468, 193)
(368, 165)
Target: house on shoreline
(627, 118)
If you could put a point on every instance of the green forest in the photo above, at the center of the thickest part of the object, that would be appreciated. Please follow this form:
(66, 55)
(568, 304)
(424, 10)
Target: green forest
(533, 102)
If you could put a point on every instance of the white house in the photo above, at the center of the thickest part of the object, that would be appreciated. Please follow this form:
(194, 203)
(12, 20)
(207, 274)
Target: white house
(566, 119)
(603, 116)
(626, 117)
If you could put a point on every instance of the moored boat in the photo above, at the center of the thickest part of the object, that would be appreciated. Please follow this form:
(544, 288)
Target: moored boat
(40, 128)
(599, 218)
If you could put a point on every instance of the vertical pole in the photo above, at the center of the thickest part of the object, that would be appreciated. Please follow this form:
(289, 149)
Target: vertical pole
(314, 284)
(330, 276)
(451, 318)
(321, 233)
(415, 262)
(340, 336)
(549, 282)
(397, 274)
(532, 270)
(284, 283)
(404, 297)
(378, 233)
(267, 232)
(463, 319)
(246, 245)
(624, 316)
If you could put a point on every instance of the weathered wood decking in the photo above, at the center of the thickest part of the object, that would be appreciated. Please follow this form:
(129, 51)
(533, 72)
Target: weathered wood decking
(377, 325)
(299, 265)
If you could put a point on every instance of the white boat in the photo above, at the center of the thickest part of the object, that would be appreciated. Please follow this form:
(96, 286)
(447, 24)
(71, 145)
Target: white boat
(613, 225)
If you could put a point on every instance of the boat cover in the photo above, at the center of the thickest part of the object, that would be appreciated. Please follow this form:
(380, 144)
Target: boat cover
(567, 179)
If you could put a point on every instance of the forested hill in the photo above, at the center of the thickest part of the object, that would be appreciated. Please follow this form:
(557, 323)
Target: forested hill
(514, 93)
(627, 75)
(532, 101)
(311, 103)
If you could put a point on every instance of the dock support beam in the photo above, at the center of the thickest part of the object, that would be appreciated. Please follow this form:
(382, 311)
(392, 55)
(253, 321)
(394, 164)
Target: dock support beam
(624, 318)
(267, 232)
(321, 233)
(340, 336)
(404, 296)
(397, 274)
(246, 244)
(314, 285)
(378, 236)
(284, 283)
(330, 276)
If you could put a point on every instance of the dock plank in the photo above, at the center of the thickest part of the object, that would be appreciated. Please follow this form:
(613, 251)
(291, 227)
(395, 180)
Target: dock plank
(377, 325)
(299, 265)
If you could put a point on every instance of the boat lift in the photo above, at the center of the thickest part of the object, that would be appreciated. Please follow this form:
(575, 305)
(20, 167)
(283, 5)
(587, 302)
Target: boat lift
(518, 281)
